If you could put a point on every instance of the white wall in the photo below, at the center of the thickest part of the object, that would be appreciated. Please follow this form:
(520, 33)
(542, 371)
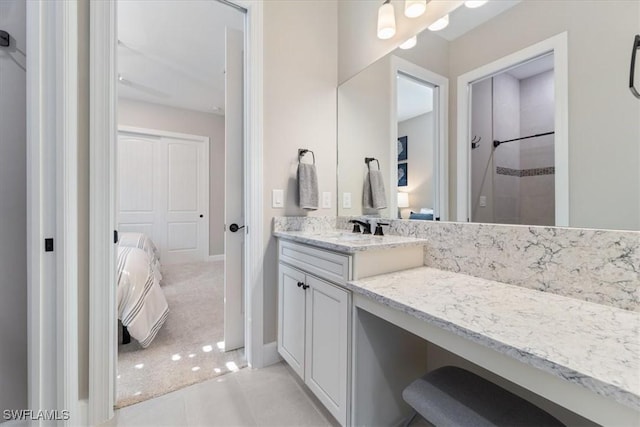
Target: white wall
(419, 132)
(482, 167)
(13, 201)
(153, 116)
(365, 130)
(300, 80)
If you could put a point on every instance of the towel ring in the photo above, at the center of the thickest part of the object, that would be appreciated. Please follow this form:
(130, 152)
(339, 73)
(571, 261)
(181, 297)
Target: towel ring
(368, 161)
(303, 151)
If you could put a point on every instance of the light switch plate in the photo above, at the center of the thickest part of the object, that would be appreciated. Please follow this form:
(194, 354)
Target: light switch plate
(346, 200)
(326, 199)
(277, 198)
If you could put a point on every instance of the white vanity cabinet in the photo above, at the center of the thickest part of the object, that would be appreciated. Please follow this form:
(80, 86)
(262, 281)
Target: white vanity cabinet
(314, 320)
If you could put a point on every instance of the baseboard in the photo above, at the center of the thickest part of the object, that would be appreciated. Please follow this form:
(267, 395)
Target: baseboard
(270, 355)
(213, 258)
(82, 417)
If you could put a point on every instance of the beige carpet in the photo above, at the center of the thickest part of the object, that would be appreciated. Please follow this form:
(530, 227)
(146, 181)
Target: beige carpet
(185, 351)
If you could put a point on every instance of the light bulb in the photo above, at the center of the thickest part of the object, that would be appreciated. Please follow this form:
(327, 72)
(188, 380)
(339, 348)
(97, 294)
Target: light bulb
(472, 4)
(440, 24)
(409, 43)
(386, 21)
(414, 8)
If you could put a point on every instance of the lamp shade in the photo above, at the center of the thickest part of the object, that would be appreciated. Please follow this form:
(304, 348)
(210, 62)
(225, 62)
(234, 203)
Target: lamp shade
(403, 200)
(414, 8)
(440, 24)
(386, 21)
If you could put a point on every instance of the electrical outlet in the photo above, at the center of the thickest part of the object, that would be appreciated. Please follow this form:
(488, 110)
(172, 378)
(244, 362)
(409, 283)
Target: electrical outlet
(483, 201)
(346, 200)
(326, 199)
(277, 198)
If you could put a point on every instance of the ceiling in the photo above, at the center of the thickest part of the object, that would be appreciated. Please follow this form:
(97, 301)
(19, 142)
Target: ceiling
(172, 52)
(414, 98)
(464, 19)
(532, 68)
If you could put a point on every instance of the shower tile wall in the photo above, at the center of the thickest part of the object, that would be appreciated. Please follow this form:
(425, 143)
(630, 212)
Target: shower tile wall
(506, 125)
(537, 193)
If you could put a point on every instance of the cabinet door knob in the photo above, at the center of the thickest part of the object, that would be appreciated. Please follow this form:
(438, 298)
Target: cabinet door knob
(305, 286)
(300, 284)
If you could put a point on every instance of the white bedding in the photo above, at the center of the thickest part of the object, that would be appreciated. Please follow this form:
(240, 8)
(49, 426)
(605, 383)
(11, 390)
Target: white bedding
(142, 307)
(142, 241)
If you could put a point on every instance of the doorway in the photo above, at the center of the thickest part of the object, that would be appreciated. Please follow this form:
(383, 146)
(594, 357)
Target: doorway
(475, 185)
(179, 166)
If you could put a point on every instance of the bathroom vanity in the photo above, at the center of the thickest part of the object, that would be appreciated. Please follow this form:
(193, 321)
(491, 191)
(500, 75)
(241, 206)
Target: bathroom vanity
(356, 315)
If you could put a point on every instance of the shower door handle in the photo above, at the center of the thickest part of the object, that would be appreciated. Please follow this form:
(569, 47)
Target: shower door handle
(636, 46)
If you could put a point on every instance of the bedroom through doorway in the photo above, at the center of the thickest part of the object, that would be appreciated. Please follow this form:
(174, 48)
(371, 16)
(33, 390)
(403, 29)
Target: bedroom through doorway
(179, 198)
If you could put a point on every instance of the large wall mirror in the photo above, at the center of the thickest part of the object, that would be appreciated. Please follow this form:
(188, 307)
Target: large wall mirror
(518, 112)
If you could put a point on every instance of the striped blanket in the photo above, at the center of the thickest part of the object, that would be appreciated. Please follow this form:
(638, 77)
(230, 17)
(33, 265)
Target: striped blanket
(142, 241)
(142, 307)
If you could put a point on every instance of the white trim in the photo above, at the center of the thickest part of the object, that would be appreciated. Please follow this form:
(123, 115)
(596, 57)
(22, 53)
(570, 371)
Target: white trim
(254, 207)
(52, 197)
(103, 97)
(558, 45)
(215, 258)
(270, 354)
(163, 133)
(441, 98)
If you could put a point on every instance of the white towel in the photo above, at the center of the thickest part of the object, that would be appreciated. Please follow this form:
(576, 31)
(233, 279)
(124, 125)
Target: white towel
(308, 186)
(374, 196)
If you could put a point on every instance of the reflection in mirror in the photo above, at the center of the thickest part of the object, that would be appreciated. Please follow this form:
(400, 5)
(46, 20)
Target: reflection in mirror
(586, 174)
(395, 112)
(512, 165)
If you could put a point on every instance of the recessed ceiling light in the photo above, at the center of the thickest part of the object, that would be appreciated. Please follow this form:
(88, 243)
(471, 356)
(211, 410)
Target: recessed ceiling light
(472, 4)
(409, 43)
(440, 24)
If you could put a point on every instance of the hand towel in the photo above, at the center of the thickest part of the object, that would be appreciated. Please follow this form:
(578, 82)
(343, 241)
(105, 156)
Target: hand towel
(374, 196)
(308, 186)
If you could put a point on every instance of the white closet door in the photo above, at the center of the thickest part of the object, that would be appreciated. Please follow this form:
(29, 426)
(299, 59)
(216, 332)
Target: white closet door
(163, 191)
(138, 172)
(186, 201)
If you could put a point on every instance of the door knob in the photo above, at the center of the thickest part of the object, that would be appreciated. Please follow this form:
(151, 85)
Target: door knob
(305, 286)
(235, 227)
(300, 284)
(201, 216)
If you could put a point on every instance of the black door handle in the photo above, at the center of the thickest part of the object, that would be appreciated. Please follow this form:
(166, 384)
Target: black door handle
(201, 216)
(636, 46)
(300, 284)
(305, 286)
(235, 227)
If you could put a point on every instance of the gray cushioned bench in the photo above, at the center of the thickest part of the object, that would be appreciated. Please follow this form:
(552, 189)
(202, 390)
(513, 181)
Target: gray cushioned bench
(452, 396)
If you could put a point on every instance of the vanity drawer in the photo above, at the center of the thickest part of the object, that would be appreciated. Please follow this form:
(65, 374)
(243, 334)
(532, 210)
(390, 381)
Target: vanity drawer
(324, 264)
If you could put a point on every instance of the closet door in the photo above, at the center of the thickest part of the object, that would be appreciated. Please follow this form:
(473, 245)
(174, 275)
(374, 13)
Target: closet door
(163, 191)
(186, 199)
(139, 208)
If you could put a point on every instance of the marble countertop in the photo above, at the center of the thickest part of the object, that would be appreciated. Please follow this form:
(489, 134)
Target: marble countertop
(344, 241)
(596, 346)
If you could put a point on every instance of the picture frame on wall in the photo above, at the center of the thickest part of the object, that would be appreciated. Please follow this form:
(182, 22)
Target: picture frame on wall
(402, 148)
(403, 174)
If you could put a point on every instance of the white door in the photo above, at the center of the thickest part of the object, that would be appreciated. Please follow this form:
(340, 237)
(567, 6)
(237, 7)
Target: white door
(234, 193)
(186, 199)
(291, 317)
(163, 191)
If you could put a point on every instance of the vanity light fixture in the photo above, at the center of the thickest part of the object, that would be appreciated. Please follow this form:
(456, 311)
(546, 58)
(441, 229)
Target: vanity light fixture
(472, 4)
(440, 24)
(414, 8)
(409, 43)
(386, 21)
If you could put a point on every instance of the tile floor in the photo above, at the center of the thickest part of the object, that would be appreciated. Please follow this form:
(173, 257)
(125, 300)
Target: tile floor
(272, 396)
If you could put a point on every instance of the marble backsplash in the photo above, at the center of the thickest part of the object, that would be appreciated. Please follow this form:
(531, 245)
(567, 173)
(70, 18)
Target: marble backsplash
(304, 223)
(600, 266)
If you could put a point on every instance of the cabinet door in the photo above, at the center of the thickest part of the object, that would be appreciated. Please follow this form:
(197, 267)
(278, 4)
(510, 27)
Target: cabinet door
(291, 317)
(327, 350)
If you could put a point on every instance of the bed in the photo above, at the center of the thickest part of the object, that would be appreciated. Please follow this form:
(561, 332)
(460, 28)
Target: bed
(142, 306)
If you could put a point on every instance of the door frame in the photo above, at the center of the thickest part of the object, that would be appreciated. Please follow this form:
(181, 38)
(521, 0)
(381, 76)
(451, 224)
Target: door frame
(440, 122)
(556, 45)
(184, 137)
(103, 43)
